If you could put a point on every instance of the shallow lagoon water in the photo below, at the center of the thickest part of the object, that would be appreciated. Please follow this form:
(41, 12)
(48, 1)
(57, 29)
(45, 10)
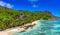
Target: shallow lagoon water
(44, 27)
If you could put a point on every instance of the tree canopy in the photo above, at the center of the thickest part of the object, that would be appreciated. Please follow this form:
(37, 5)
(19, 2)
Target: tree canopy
(12, 18)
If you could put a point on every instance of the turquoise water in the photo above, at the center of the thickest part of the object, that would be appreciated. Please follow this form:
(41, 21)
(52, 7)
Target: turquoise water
(44, 27)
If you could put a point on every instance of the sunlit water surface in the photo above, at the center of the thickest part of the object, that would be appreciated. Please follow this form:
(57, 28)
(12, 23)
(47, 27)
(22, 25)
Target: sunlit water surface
(44, 27)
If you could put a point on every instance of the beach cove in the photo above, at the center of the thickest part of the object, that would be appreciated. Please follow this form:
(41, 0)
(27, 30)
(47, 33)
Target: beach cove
(16, 29)
(44, 27)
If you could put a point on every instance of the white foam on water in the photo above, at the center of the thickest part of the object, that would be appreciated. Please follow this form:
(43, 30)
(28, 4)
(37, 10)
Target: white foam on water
(56, 25)
(36, 30)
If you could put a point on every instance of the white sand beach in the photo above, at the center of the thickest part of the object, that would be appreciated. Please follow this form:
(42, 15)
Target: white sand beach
(16, 29)
(11, 31)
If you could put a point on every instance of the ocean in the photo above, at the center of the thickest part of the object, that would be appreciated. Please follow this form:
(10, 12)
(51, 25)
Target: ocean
(44, 27)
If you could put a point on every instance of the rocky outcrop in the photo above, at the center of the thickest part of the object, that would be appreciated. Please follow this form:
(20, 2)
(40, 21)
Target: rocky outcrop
(26, 26)
(21, 16)
(48, 12)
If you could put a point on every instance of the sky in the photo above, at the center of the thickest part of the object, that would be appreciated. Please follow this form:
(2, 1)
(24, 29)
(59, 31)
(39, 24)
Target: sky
(34, 5)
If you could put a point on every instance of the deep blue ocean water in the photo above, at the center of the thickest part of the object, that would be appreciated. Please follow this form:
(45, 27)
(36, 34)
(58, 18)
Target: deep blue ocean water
(44, 27)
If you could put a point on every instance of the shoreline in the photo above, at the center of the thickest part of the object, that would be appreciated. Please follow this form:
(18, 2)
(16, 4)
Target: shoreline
(17, 29)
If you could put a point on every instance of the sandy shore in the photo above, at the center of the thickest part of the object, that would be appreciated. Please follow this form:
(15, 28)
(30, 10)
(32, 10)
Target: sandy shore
(13, 30)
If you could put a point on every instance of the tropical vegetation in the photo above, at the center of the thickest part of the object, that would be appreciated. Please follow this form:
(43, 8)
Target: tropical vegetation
(11, 18)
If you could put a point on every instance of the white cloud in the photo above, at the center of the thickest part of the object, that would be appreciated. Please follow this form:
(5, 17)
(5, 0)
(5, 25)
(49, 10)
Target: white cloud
(35, 6)
(4, 4)
(33, 3)
(9, 5)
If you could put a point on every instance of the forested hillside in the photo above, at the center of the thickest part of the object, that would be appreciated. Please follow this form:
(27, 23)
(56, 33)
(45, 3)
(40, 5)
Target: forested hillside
(12, 18)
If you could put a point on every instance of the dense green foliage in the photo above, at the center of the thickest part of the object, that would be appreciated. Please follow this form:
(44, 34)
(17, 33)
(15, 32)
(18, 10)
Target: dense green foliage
(11, 18)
